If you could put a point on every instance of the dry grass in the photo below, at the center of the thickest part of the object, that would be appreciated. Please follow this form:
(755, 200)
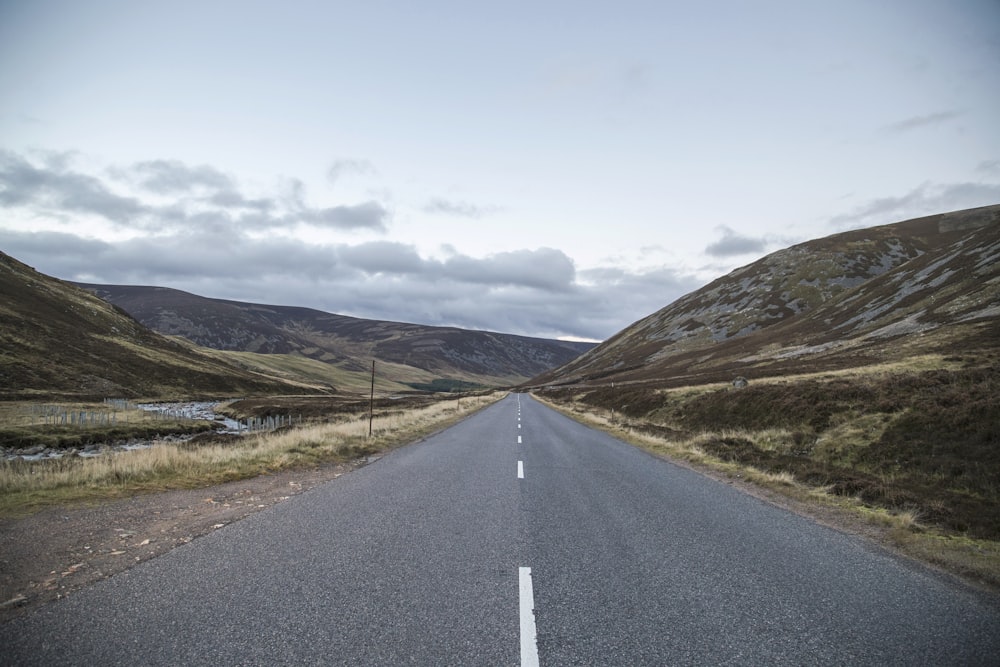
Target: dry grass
(57, 425)
(826, 470)
(29, 485)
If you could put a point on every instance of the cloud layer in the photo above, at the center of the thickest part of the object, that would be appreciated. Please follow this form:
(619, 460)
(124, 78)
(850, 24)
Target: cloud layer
(193, 227)
(162, 195)
(197, 228)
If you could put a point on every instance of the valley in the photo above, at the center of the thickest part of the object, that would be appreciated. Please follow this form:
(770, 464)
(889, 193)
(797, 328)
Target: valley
(852, 376)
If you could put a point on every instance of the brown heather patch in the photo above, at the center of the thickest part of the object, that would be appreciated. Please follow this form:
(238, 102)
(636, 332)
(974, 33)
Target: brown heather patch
(927, 441)
(918, 451)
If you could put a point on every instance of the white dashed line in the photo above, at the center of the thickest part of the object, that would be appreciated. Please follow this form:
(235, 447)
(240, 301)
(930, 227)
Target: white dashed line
(519, 440)
(520, 469)
(529, 643)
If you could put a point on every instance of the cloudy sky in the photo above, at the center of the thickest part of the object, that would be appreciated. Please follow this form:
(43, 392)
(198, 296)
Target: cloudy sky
(556, 169)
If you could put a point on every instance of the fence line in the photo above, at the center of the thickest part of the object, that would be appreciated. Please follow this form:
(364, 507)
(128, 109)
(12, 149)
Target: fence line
(119, 410)
(270, 423)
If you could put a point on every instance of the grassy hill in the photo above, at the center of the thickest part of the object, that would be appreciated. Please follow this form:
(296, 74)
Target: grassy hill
(416, 355)
(869, 365)
(58, 341)
(924, 286)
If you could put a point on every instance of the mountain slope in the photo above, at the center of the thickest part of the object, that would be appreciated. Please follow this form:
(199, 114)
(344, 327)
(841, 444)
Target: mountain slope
(57, 340)
(924, 285)
(443, 353)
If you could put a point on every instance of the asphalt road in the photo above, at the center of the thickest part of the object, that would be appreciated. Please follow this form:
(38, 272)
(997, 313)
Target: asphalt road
(517, 537)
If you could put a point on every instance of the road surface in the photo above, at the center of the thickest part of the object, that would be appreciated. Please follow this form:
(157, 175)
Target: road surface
(517, 537)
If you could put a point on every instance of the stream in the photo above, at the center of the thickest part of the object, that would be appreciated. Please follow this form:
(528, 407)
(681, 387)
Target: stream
(202, 410)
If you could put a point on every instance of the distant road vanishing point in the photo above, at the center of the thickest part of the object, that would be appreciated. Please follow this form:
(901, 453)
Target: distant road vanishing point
(517, 537)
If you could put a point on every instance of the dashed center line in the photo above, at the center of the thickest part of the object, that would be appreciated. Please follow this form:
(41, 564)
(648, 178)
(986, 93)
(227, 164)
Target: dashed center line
(526, 597)
(526, 594)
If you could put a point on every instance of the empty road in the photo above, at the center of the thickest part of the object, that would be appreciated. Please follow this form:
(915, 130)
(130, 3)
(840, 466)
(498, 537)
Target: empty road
(517, 537)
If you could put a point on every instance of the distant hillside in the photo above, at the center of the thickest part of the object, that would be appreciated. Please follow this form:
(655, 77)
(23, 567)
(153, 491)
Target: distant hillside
(929, 285)
(59, 341)
(421, 356)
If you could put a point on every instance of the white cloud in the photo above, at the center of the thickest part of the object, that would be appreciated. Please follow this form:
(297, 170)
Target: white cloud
(459, 209)
(348, 167)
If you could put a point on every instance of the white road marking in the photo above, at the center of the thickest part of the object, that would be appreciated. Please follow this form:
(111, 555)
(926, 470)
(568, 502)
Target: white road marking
(520, 469)
(519, 426)
(519, 440)
(529, 643)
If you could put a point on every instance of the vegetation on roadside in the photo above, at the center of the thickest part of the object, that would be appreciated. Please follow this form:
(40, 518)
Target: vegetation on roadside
(72, 425)
(917, 451)
(26, 486)
(446, 385)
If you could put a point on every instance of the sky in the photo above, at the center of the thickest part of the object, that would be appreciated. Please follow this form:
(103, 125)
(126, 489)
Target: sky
(552, 169)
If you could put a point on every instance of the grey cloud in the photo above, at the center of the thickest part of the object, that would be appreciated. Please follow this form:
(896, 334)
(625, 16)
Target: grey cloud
(529, 292)
(382, 257)
(203, 257)
(198, 195)
(916, 122)
(926, 199)
(732, 244)
(459, 208)
(545, 268)
(173, 176)
(204, 245)
(369, 215)
(234, 199)
(55, 187)
(68, 252)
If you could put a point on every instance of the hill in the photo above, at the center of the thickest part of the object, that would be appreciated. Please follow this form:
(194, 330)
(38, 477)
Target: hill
(871, 359)
(423, 357)
(58, 341)
(924, 286)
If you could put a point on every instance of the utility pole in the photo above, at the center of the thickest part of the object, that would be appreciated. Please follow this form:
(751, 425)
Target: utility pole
(371, 402)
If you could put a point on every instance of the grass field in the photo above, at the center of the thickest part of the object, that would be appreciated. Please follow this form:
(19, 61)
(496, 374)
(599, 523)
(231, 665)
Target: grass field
(26, 486)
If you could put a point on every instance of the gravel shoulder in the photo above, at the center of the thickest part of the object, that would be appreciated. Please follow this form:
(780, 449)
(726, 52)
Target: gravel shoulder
(58, 551)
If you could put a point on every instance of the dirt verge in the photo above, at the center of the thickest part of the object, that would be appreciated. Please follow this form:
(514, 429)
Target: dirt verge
(58, 551)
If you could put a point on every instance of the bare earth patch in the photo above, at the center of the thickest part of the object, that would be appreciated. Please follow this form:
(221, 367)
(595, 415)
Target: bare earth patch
(55, 552)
